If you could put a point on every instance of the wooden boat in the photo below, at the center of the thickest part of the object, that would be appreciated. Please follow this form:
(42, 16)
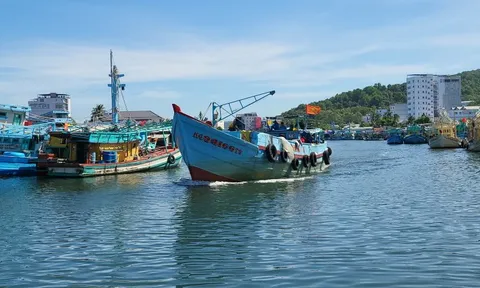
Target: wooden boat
(444, 133)
(116, 149)
(214, 155)
(474, 134)
(20, 143)
(414, 135)
(395, 137)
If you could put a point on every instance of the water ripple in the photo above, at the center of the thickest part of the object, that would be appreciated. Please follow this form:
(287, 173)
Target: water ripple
(382, 216)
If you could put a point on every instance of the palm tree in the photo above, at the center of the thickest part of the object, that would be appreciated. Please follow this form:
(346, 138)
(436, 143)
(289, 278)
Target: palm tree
(97, 112)
(396, 119)
(410, 120)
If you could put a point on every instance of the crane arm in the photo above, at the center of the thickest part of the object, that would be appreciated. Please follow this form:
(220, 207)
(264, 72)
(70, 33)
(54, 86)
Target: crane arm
(229, 110)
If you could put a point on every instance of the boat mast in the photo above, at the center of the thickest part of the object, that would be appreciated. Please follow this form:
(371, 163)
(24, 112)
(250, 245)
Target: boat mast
(114, 86)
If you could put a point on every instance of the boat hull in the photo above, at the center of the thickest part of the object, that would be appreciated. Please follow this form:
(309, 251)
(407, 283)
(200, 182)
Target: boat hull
(17, 169)
(474, 146)
(100, 169)
(395, 140)
(441, 142)
(415, 139)
(213, 155)
(17, 164)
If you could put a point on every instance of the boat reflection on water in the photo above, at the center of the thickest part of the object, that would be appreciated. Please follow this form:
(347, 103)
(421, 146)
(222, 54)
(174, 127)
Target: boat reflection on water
(228, 231)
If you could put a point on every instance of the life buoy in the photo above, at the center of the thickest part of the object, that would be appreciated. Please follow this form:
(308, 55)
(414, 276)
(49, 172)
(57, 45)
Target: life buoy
(313, 159)
(326, 157)
(284, 156)
(329, 151)
(271, 152)
(306, 161)
(295, 164)
(171, 159)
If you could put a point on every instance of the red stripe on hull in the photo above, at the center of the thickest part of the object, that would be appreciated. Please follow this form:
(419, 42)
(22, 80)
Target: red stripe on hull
(198, 174)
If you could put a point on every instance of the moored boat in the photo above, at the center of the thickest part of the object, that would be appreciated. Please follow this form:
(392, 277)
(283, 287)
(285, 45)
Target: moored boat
(233, 156)
(395, 137)
(474, 134)
(19, 143)
(116, 149)
(414, 135)
(444, 133)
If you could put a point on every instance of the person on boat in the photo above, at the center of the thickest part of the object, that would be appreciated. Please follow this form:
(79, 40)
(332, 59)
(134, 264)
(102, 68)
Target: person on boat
(282, 126)
(275, 126)
(234, 125)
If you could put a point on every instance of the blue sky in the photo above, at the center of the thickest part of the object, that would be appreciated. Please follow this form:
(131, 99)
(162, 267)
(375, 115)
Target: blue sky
(194, 52)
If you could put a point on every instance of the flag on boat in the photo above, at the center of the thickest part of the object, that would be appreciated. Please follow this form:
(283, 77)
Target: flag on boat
(313, 110)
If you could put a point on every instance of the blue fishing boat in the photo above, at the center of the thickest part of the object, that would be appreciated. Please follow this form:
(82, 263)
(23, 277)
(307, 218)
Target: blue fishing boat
(414, 135)
(116, 148)
(234, 156)
(395, 136)
(19, 144)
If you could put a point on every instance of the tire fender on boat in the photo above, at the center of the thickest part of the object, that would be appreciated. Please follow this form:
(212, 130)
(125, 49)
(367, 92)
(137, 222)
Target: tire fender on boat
(313, 159)
(271, 152)
(326, 157)
(284, 156)
(295, 164)
(329, 151)
(171, 159)
(306, 161)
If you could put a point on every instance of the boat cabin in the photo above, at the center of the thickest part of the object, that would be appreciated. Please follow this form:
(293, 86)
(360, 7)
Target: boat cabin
(106, 147)
(13, 114)
(446, 130)
(16, 142)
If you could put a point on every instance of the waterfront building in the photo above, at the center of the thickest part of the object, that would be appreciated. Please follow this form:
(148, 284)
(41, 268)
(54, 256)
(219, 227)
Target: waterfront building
(428, 93)
(51, 105)
(138, 116)
(460, 112)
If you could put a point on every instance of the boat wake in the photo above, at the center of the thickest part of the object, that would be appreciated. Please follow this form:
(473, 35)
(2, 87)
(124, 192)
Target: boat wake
(191, 183)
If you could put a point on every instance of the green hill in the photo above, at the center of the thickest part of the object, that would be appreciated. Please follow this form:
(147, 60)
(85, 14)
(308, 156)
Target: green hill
(352, 105)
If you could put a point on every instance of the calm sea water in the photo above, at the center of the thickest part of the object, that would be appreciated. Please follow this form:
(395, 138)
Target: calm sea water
(381, 216)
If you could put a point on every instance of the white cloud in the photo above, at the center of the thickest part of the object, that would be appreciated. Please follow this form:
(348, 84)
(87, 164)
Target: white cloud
(301, 69)
(158, 94)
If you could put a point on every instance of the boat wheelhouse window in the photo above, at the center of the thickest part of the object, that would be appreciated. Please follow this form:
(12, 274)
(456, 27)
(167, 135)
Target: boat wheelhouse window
(15, 140)
(3, 115)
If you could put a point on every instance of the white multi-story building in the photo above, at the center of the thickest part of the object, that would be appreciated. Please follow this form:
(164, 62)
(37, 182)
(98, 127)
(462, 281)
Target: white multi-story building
(51, 105)
(420, 94)
(427, 93)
